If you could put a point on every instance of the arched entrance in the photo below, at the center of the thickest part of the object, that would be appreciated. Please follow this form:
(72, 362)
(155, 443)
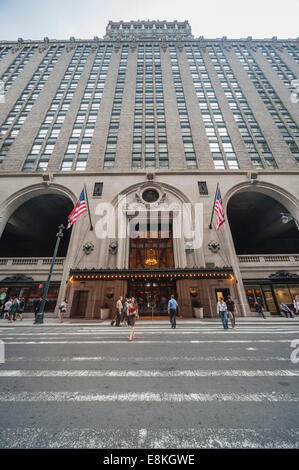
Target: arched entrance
(30, 230)
(266, 248)
(256, 225)
(29, 226)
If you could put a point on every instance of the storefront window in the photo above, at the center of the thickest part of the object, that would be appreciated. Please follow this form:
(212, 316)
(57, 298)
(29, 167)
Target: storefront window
(254, 294)
(294, 290)
(32, 294)
(283, 294)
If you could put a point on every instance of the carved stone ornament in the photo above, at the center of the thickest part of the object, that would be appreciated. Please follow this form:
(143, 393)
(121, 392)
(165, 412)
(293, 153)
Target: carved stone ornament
(283, 275)
(214, 246)
(88, 247)
(189, 247)
(113, 246)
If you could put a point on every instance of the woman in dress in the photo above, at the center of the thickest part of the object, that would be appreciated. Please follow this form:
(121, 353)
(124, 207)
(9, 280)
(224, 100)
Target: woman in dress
(132, 313)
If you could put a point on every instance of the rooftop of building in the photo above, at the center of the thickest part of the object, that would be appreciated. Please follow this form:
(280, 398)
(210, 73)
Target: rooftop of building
(150, 30)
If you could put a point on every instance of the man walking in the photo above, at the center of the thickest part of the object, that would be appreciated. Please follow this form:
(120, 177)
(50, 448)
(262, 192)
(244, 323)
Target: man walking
(231, 310)
(119, 309)
(7, 306)
(259, 307)
(222, 311)
(172, 311)
(124, 315)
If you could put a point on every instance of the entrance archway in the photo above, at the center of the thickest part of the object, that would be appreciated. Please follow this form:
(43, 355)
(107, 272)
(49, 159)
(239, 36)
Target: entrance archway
(256, 226)
(31, 229)
(256, 229)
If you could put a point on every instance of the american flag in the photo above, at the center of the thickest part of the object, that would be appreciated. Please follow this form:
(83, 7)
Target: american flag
(79, 208)
(219, 210)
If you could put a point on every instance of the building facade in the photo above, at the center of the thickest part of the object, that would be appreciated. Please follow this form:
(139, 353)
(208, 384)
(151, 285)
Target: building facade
(150, 119)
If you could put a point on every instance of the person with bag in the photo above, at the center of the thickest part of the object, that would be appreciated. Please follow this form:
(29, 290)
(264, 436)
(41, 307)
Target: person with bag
(132, 316)
(21, 308)
(13, 310)
(222, 311)
(62, 309)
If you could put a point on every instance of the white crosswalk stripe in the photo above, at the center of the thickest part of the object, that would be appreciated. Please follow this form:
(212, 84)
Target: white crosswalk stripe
(88, 373)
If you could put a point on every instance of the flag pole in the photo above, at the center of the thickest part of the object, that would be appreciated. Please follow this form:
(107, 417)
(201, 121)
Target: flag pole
(210, 226)
(87, 203)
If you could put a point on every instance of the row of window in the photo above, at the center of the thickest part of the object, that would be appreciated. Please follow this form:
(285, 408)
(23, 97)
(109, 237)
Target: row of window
(76, 155)
(149, 133)
(14, 70)
(250, 131)
(4, 51)
(282, 70)
(17, 116)
(44, 143)
(109, 157)
(219, 140)
(283, 120)
(187, 138)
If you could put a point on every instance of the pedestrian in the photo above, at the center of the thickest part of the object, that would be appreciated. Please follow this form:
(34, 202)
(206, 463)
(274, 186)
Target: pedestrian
(62, 309)
(37, 306)
(119, 309)
(259, 307)
(285, 310)
(21, 308)
(222, 311)
(296, 304)
(231, 310)
(172, 310)
(132, 316)
(124, 315)
(7, 306)
(13, 310)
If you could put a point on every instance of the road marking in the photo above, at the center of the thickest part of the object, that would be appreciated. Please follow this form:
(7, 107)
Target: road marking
(88, 397)
(165, 438)
(147, 359)
(150, 373)
(137, 341)
(176, 332)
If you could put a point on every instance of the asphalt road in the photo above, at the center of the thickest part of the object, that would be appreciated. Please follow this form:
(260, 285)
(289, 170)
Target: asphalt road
(198, 386)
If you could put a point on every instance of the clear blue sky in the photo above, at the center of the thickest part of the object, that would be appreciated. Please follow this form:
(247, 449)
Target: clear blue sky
(60, 19)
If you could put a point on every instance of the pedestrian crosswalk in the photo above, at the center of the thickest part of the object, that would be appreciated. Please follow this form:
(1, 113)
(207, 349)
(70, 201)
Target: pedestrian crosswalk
(198, 386)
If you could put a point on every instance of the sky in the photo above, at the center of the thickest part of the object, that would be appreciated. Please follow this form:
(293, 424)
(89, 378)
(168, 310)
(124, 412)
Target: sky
(84, 19)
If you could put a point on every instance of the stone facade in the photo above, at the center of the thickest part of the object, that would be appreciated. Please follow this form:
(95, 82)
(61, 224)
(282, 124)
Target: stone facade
(178, 183)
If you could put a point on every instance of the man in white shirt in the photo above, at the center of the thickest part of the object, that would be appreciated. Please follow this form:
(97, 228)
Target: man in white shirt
(222, 311)
(7, 306)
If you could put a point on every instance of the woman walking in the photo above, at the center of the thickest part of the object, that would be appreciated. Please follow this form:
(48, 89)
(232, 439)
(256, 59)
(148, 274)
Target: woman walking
(62, 310)
(21, 308)
(13, 310)
(222, 311)
(132, 316)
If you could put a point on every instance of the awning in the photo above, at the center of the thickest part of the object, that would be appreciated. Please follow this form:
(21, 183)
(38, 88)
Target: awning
(225, 272)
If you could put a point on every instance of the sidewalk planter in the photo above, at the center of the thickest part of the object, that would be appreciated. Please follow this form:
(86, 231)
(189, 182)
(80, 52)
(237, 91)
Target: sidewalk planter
(198, 312)
(104, 313)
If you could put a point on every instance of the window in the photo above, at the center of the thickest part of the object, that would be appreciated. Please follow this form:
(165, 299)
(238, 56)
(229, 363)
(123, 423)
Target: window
(98, 189)
(202, 187)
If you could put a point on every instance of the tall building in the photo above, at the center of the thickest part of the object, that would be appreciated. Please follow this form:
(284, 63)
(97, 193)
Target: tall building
(150, 119)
